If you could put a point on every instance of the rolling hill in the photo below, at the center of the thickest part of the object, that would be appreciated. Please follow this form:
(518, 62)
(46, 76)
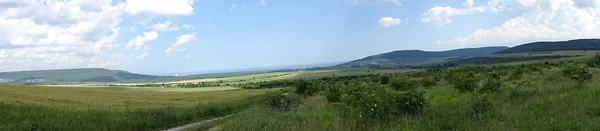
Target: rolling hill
(407, 57)
(571, 45)
(71, 76)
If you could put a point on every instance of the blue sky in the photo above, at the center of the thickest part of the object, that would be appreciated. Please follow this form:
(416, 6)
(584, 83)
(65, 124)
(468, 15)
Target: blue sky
(160, 36)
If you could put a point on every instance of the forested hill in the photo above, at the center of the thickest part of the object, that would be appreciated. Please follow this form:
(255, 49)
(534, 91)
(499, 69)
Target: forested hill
(404, 57)
(579, 44)
(70, 76)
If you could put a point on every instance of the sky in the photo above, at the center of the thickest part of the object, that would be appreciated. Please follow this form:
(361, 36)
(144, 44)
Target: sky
(168, 36)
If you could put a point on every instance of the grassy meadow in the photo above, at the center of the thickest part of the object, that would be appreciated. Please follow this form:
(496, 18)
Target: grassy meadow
(560, 94)
(68, 108)
(540, 98)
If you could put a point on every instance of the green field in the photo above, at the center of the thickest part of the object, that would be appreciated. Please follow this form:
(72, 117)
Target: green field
(531, 95)
(537, 100)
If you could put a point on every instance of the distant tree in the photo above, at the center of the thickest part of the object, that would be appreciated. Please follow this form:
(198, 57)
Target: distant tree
(384, 79)
(595, 61)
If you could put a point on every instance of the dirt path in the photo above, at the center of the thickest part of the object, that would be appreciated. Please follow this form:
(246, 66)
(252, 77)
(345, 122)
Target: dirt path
(180, 128)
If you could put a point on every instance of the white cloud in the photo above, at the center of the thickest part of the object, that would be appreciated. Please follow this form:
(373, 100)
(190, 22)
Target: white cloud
(469, 3)
(165, 26)
(232, 7)
(537, 20)
(182, 39)
(188, 27)
(140, 41)
(159, 7)
(389, 21)
(143, 55)
(395, 2)
(46, 34)
(442, 14)
(262, 2)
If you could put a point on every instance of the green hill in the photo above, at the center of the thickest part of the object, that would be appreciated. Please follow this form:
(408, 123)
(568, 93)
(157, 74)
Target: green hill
(407, 57)
(571, 45)
(71, 76)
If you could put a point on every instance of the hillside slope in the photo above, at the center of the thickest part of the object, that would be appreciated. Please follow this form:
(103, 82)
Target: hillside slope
(70, 76)
(571, 45)
(405, 57)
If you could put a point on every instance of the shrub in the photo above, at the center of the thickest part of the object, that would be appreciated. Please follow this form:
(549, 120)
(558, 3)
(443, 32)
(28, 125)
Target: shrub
(595, 61)
(428, 82)
(411, 102)
(493, 84)
(466, 83)
(403, 83)
(304, 87)
(481, 105)
(284, 101)
(374, 102)
(333, 93)
(384, 80)
(577, 73)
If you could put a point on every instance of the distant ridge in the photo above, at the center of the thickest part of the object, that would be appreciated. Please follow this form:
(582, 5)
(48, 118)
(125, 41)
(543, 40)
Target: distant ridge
(407, 57)
(70, 76)
(571, 45)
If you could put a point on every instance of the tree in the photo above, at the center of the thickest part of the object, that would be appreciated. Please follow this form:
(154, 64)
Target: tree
(595, 61)
(384, 80)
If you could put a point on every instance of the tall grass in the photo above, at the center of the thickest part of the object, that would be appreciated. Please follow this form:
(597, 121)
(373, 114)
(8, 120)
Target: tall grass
(34, 117)
(532, 102)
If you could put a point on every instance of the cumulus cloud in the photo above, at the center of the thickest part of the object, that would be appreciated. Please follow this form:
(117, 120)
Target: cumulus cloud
(395, 2)
(159, 7)
(537, 20)
(46, 34)
(389, 21)
(143, 55)
(262, 2)
(188, 26)
(140, 41)
(182, 39)
(165, 26)
(442, 14)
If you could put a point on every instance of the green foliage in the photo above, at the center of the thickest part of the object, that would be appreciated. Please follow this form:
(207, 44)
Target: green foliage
(384, 80)
(403, 83)
(481, 105)
(577, 73)
(411, 102)
(465, 82)
(305, 87)
(333, 93)
(493, 83)
(375, 102)
(284, 100)
(595, 61)
(428, 82)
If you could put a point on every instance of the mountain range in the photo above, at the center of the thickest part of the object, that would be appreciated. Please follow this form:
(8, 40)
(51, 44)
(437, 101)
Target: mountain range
(391, 59)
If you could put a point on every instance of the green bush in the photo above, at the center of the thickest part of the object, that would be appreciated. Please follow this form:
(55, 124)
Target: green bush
(403, 83)
(595, 61)
(304, 87)
(333, 93)
(577, 73)
(491, 85)
(481, 105)
(384, 80)
(466, 83)
(428, 82)
(411, 102)
(284, 101)
(375, 102)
